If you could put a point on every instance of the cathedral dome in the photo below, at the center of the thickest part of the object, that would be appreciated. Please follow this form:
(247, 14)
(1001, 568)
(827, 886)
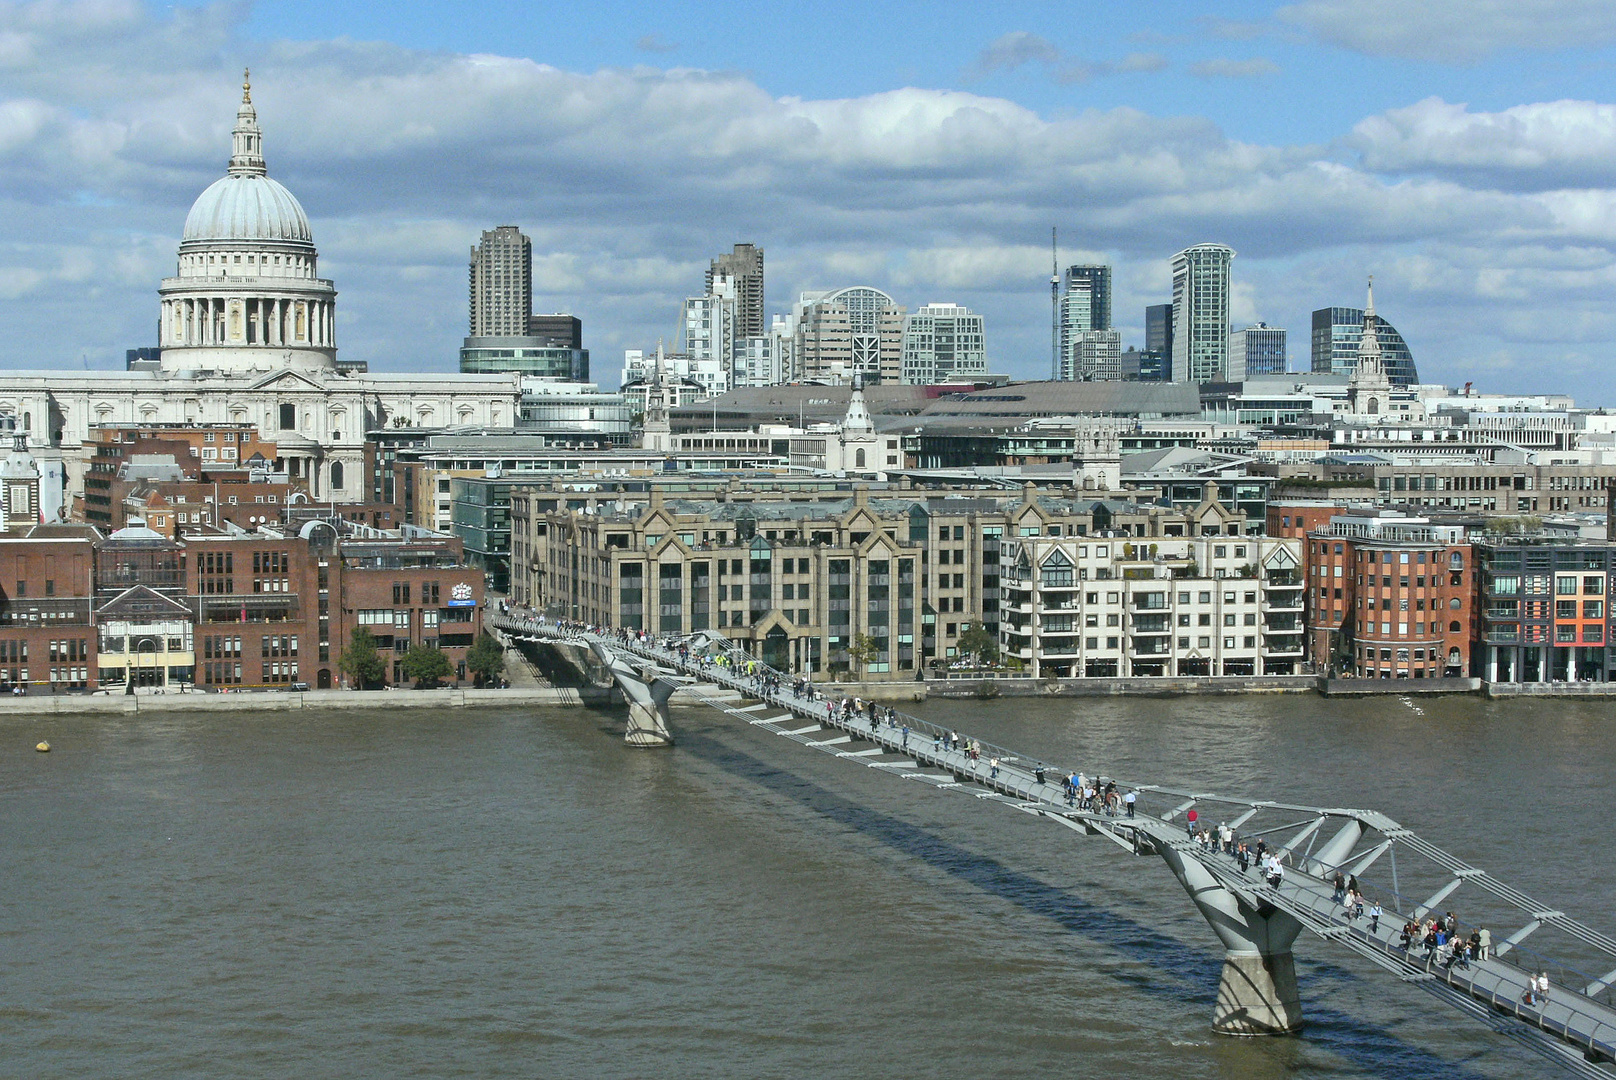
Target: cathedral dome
(247, 207)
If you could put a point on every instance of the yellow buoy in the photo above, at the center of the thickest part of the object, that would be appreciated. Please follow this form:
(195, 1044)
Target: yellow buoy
(42, 746)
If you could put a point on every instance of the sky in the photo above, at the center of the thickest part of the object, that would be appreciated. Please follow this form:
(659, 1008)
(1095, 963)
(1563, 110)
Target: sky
(1461, 151)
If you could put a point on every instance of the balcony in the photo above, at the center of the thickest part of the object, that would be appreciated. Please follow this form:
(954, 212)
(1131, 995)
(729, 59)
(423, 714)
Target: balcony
(1150, 647)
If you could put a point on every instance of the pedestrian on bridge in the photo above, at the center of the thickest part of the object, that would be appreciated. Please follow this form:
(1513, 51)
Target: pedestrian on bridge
(1374, 918)
(1340, 887)
(993, 768)
(1131, 798)
(906, 736)
(1484, 944)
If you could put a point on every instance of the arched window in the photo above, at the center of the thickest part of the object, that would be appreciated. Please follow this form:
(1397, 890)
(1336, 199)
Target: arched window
(336, 476)
(858, 459)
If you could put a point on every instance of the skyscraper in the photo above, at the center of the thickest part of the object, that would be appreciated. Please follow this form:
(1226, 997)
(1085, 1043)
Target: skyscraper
(1201, 313)
(501, 283)
(1084, 306)
(1336, 334)
(1096, 281)
(743, 266)
(1158, 361)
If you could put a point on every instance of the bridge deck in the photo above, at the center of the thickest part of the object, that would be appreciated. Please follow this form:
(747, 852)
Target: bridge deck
(1491, 991)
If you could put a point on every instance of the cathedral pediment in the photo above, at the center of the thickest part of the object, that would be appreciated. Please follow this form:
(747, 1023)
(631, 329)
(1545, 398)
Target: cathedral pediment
(285, 380)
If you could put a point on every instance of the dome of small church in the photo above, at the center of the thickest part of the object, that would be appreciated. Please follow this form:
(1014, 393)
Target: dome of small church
(247, 208)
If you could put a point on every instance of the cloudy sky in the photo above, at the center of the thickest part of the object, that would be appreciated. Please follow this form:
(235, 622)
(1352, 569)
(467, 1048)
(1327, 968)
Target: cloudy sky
(1462, 151)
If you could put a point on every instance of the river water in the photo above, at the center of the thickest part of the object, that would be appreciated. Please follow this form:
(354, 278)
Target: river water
(492, 894)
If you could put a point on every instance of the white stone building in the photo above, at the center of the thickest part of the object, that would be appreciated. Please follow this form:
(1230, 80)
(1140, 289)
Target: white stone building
(248, 335)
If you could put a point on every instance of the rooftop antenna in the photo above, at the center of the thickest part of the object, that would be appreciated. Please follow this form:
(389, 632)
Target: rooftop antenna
(1054, 307)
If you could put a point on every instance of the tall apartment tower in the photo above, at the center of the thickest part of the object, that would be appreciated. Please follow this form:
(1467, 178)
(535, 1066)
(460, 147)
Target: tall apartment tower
(1096, 282)
(743, 266)
(1201, 313)
(501, 283)
(1084, 307)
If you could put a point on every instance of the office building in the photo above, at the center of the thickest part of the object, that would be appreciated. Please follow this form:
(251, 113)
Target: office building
(744, 267)
(1084, 306)
(1093, 356)
(1201, 313)
(1390, 596)
(501, 283)
(1545, 609)
(1256, 350)
(1159, 340)
(1337, 332)
(853, 330)
(942, 342)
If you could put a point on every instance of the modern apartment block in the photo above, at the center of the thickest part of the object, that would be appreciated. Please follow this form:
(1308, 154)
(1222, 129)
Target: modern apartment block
(1546, 610)
(744, 267)
(1201, 313)
(801, 580)
(501, 283)
(1107, 607)
(1390, 596)
(1084, 309)
(943, 342)
(850, 331)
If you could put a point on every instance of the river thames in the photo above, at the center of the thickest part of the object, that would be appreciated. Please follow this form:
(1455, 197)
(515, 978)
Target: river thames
(492, 894)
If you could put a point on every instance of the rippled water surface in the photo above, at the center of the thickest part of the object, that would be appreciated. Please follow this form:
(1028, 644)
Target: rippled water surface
(497, 894)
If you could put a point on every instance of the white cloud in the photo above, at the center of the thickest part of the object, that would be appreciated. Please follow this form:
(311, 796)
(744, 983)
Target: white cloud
(1549, 145)
(1449, 31)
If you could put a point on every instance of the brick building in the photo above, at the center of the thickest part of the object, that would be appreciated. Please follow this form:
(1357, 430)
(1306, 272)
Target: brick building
(1390, 596)
(47, 586)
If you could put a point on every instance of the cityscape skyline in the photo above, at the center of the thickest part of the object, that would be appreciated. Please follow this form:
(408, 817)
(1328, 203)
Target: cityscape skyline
(1489, 268)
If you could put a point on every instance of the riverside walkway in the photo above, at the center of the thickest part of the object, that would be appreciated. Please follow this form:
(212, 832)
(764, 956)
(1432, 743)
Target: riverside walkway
(1256, 920)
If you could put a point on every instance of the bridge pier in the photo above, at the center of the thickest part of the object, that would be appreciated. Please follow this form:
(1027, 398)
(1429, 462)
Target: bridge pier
(1257, 993)
(647, 693)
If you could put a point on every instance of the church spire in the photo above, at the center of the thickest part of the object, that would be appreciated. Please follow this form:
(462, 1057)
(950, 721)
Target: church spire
(247, 141)
(1369, 356)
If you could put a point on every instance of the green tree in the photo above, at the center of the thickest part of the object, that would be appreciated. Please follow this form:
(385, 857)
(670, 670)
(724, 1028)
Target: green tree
(862, 652)
(425, 665)
(361, 662)
(485, 659)
(975, 640)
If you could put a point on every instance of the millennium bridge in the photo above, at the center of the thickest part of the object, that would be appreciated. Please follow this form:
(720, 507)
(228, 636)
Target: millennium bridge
(1257, 918)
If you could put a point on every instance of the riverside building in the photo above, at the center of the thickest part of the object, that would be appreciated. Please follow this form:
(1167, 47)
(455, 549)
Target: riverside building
(1390, 596)
(1198, 605)
(804, 583)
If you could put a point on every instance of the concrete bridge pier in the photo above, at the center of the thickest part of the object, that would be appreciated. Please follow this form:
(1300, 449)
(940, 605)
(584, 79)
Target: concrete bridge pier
(647, 693)
(1257, 994)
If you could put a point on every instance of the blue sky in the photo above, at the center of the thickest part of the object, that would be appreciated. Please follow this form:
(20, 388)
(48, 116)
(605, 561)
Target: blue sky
(1464, 151)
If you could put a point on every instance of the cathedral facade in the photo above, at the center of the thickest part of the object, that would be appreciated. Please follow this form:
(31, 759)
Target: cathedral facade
(248, 334)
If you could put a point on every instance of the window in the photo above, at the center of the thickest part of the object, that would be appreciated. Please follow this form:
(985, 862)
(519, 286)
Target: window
(288, 416)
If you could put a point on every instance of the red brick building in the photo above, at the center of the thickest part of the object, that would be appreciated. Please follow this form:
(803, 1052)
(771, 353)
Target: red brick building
(1390, 597)
(47, 638)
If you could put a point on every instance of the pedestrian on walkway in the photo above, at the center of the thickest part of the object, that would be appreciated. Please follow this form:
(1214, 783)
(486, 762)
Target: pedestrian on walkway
(1374, 918)
(1484, 944)
(1131, 798)
(993, 768)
